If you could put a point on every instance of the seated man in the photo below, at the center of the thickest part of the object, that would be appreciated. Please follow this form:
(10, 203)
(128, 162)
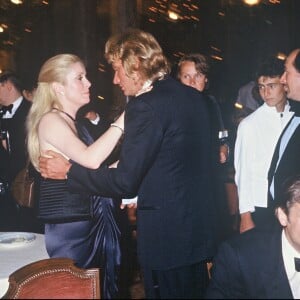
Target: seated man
(262, 265)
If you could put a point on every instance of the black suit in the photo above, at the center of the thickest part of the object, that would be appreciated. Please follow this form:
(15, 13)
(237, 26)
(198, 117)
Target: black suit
(250, 266)
(289, 164)
(13, 163)
(165, 160)
(13, 217)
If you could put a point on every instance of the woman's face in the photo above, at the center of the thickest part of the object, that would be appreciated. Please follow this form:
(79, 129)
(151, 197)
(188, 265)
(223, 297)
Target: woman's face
(188, 75)
(76, 87)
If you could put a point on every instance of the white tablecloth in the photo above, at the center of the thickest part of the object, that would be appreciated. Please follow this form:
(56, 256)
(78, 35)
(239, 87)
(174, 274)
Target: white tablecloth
(16, 256)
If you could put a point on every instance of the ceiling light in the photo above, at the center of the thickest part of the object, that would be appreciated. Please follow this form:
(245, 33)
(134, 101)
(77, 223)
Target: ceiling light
(173, 15)
(251, 2)
(17, 2)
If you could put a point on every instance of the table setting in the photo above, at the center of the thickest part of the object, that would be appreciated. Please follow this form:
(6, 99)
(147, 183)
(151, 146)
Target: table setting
(18, 249)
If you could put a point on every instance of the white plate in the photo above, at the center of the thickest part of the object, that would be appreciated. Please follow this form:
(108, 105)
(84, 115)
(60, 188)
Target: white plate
(16, 238)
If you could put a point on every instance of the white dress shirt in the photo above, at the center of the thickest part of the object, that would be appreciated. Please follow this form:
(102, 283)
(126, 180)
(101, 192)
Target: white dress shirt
(257, 136)
(288, 254)
(17, 103)
(96, 121)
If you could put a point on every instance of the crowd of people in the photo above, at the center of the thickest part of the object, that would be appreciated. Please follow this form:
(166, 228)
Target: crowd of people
(164, 158)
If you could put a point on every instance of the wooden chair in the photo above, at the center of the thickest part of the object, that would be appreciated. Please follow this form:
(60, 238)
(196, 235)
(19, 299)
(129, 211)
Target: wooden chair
(53, 278)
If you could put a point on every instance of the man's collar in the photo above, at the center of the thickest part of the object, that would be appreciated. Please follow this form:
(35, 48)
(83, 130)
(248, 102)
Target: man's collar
(147, 86)
(16, 104)
(288, 253)
(295, 107)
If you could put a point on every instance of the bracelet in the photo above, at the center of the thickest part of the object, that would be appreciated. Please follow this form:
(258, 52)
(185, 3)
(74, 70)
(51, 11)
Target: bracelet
(117, 126)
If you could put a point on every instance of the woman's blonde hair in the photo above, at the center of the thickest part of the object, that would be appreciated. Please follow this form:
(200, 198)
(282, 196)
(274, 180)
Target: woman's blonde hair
(139, 52)
(53, 70)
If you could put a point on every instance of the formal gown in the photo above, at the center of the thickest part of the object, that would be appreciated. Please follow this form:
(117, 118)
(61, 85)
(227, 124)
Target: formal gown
(90, 243)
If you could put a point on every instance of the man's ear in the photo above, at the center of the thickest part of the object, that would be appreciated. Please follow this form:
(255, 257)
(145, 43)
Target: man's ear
(281, 216)
(9, 85)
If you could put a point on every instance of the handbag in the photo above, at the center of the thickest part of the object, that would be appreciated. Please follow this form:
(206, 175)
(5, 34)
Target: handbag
(22, 188)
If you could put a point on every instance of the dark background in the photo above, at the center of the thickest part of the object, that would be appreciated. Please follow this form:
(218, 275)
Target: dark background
(234, 35)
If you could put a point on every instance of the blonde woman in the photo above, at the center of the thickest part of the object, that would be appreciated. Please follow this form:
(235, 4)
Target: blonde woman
(78, 226)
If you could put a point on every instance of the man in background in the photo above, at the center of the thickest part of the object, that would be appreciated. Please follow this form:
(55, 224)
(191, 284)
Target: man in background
(248, 100)
(257, 136)
(286, 158)
(13, 154)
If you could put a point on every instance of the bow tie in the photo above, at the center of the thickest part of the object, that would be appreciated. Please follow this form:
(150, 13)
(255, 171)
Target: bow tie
(4, 108)
(297, 264)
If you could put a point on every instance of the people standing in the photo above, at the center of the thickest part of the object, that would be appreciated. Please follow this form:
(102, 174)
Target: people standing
(165, 161)
(77, 226)
(194, 71)
(257, 136)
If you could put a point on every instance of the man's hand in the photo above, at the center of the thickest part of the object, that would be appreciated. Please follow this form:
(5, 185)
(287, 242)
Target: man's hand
(131, 205)
(224, 152)
(246, 222)
(54, 166)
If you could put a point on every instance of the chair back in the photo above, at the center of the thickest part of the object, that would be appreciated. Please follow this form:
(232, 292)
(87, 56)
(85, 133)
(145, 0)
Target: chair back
(54, 278)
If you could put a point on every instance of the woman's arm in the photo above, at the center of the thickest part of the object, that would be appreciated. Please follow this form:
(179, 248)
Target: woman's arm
(56, 134)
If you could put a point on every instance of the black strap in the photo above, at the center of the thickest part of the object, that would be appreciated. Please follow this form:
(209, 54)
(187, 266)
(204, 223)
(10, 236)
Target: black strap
(65, 114)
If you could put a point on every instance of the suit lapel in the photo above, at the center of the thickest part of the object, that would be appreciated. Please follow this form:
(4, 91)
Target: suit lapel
(274, 275)
(276, 154)
(22, 110)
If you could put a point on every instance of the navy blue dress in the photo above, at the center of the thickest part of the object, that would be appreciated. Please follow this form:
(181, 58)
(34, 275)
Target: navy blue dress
(90, 243)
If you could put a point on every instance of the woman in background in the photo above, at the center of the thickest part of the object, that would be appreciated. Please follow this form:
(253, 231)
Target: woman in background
(194, 70)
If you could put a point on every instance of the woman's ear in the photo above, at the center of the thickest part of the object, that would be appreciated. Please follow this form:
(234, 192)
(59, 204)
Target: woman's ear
(281, 216)
(58, 88)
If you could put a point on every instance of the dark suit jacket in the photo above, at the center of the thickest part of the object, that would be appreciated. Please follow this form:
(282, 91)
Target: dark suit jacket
(165, 159)
(250, 266)
(11, 165)
(289, 164)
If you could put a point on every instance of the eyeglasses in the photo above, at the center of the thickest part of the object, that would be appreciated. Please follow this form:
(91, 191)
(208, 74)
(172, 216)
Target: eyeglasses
(269, 86)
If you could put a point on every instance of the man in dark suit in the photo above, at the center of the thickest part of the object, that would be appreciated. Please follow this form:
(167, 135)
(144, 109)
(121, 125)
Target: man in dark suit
(165, 161)
(286, 158)
(261, 264)
(13, 112)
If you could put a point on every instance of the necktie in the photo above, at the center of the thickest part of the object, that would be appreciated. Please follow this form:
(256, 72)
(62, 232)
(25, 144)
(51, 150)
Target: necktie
(297, 264)
(4, 108)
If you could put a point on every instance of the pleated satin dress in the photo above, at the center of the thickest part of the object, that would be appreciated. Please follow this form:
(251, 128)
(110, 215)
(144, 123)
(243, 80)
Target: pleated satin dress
(90, 243)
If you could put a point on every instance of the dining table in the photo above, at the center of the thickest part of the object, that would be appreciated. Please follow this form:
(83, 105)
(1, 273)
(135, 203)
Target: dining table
(18, 249)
